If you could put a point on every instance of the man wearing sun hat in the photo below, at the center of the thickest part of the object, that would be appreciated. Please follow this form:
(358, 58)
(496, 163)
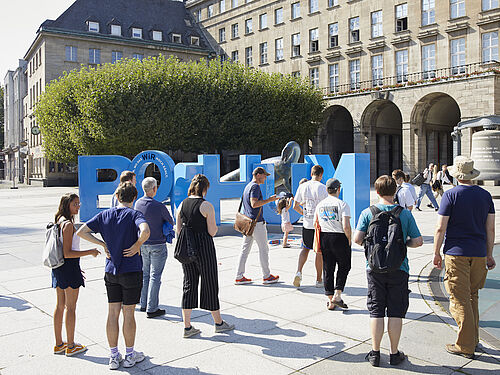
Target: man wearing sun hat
(466, 223)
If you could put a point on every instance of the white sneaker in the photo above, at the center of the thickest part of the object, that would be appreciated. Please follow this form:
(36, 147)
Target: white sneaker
(114, 362)
(297, 279)
(319, 284)
(132, 359)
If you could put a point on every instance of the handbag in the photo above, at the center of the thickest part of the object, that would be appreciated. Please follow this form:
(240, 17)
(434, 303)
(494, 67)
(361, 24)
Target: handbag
(317, 235)
(186, 251)
(53, 254)
(243, 223)
(418, 179)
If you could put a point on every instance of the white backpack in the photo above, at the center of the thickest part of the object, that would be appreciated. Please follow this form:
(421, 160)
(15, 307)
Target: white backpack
(53, 255)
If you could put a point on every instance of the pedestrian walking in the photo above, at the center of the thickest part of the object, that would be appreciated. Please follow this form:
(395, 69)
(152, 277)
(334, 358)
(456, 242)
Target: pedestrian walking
(466, 224)
(426, 189)
(404, 196)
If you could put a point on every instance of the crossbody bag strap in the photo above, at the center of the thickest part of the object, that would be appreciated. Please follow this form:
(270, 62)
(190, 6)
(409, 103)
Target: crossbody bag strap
(260, 211)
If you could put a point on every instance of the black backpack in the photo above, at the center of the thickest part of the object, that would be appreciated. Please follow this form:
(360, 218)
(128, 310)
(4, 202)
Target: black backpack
(396, 199)
(385, 247)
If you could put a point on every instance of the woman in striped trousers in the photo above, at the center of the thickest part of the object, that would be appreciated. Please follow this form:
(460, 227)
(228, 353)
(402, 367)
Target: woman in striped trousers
(198, 214)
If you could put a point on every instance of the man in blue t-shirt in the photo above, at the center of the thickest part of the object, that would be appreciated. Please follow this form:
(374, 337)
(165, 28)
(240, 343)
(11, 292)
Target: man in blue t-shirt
(252, 202)
(466, 222)
(123, 230)
(154, 250)
(388, 293)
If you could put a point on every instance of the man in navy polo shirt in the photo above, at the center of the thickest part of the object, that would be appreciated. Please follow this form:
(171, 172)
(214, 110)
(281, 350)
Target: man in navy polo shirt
(119, 227)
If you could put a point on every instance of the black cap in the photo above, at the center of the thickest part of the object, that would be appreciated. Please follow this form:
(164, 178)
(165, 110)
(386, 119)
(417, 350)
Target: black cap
(333, 184)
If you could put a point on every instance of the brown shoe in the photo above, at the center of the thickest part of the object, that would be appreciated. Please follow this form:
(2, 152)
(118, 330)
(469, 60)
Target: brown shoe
(452, 349)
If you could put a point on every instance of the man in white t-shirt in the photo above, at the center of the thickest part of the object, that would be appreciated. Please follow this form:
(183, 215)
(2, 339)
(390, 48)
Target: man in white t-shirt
(307, 197)
(334, 217)
(404, 196)
(410, 186)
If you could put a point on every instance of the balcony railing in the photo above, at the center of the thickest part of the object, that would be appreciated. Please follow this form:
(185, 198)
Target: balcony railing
(413, 79)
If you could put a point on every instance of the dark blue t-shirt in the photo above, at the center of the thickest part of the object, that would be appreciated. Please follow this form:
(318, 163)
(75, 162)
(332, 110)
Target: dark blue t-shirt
(156, 215)
(252, 190)
(468, 207)
(119, 228)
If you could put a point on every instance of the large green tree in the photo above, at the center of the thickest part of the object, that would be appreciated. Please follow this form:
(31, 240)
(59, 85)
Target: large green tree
(2, 125)
(166, 104)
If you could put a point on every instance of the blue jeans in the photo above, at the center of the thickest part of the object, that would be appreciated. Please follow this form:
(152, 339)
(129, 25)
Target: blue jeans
(425, 189)
(153, 262)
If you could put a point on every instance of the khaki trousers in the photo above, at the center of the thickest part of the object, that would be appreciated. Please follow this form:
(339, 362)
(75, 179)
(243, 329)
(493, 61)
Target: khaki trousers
(464, 277)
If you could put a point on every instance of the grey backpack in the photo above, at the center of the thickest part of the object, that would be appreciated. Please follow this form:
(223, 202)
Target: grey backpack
(53, 255)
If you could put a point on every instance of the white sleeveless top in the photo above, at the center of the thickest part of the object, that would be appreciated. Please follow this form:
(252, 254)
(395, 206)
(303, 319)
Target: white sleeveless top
(75, 243)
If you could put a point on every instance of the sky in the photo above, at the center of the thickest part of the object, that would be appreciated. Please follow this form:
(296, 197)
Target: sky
(20, 21)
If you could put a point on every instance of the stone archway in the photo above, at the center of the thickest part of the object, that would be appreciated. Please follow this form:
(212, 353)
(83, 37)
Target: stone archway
(433, 118)
(336, 134)
(381, 124)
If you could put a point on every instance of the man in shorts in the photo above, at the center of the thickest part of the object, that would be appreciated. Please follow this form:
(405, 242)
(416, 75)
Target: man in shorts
(388, 293)
(307, 197)
(119, 227)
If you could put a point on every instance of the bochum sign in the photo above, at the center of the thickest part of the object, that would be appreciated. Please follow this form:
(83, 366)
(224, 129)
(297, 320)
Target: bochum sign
(353, 171)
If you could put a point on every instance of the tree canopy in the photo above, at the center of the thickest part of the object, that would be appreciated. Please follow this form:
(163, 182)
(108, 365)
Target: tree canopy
(166, 104)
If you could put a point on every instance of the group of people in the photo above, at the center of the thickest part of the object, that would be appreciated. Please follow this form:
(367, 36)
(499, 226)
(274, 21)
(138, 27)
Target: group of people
(134, 243)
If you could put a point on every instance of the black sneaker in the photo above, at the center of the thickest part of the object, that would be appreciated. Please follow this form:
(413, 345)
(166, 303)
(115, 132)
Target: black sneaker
(430, 206)
(156, 313)
(396, 359)
(418, 209)
(142, 309)
(374, 358)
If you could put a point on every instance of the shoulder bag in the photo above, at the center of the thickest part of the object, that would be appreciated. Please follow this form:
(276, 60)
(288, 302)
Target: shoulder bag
(243, 223)
(186, 250)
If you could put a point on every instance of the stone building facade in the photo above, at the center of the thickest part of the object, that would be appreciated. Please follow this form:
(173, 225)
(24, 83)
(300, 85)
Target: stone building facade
(94, 32)
(397, 76)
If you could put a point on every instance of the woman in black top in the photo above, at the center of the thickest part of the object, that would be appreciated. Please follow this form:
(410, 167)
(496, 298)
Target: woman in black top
(200, 216)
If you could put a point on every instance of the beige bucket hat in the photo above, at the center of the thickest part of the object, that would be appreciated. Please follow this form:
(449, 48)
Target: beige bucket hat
(463, 168)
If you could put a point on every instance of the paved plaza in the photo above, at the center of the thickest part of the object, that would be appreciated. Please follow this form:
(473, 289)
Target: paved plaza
(279, 329)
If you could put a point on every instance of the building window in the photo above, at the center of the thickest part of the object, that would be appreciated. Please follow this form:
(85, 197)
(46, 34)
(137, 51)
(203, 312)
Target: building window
(490, 4)
(94, 56)
(333, 72)
(313, 40)
(401, 17)
(296, 45)
(263, 53)
(490, 46)
(296, 74)
(278, 16)
(222, 34)
(333, 35)
(248, 26)
(94, 27)
(158, 36)
(210, 10)
(313, 6)
(354, 29)
(428, 12)
(457, 8)
(116, 56)
(332, 3)
(138, 56)
(457, 50)
(116, 30)
(198, 15)
(234, 30)
(176, 38)
(223, 58)
(263, 21)
(222, 6)
(429, 61)
(295, 10)
(248, 56)
(71, 53)
(355, 74)
(377, 24)
(136, 33)
(377, 70)
(195, 41)
(234, 3)
(234, 56)
(402, 66)
(279, 49)
(314, 77)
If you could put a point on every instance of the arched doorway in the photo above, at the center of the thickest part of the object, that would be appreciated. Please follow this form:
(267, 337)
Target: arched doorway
(433, 119)
(336, 134)
(381, 123)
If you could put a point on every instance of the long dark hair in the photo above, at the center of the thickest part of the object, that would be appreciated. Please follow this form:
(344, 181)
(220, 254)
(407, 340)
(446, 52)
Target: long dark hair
(63, 210)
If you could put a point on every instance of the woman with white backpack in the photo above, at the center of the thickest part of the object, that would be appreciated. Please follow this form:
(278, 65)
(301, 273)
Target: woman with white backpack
(67, 279)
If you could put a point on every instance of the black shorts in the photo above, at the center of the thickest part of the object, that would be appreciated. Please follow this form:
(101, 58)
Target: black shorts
(388, 294)
(124, 287)
(307, 238)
